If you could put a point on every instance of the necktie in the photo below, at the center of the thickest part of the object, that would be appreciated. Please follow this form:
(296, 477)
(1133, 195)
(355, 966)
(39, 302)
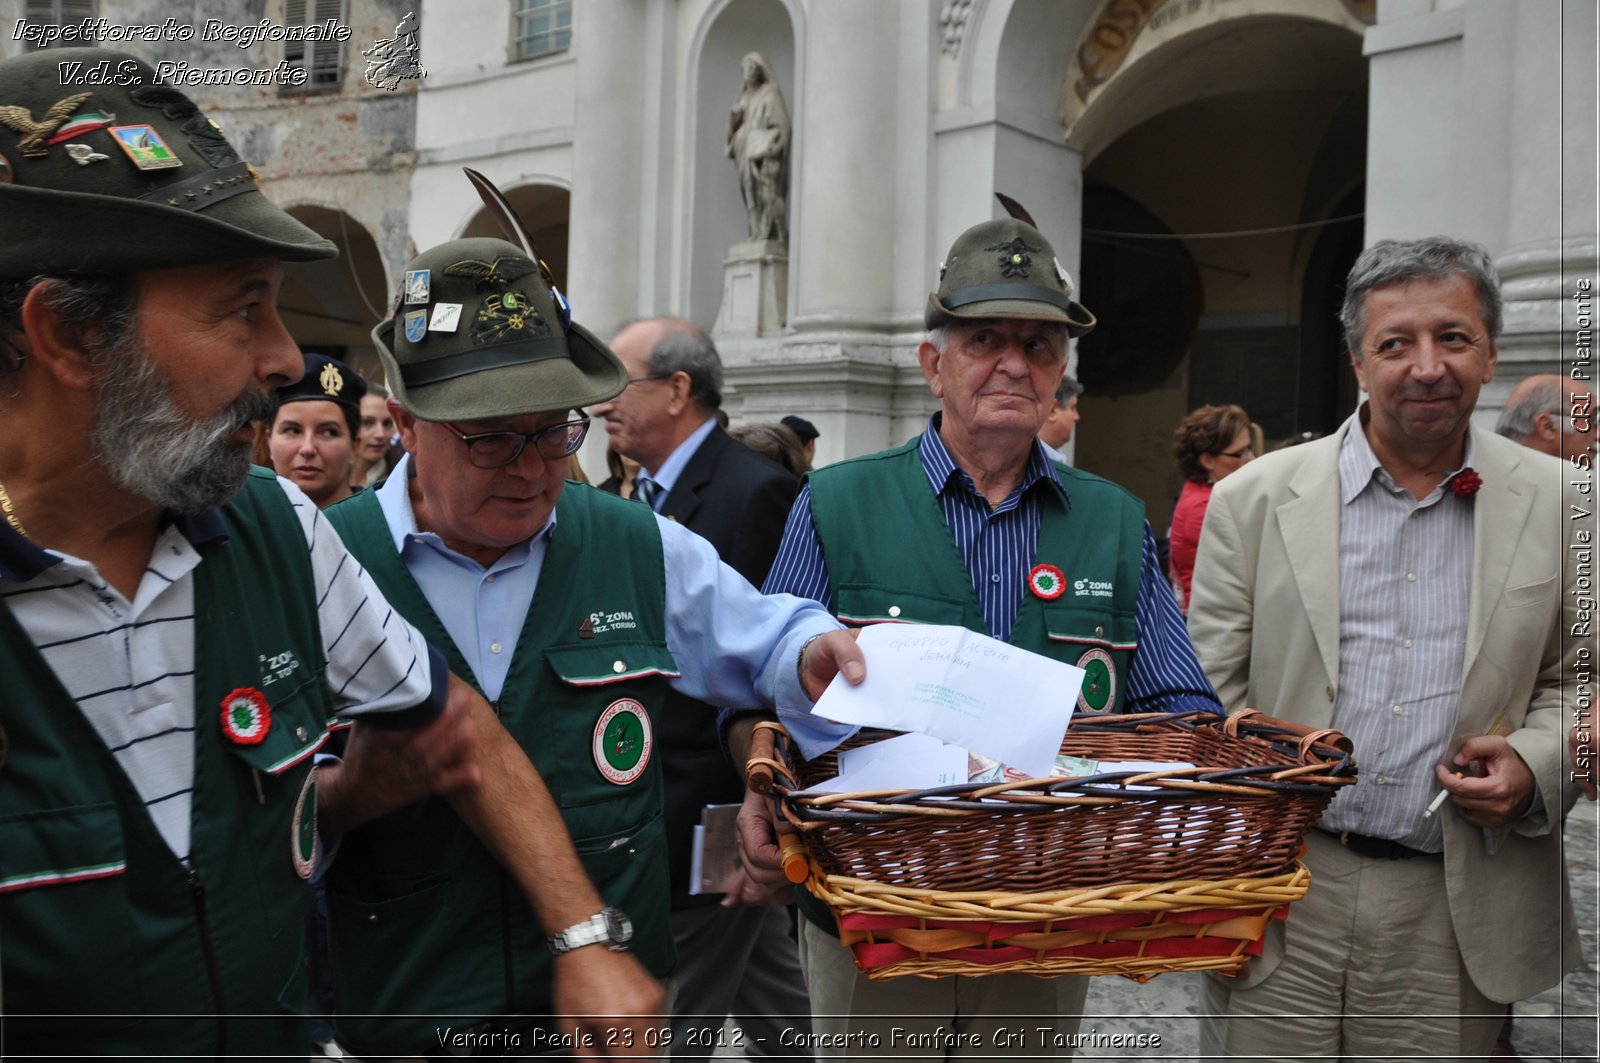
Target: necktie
(646, 490)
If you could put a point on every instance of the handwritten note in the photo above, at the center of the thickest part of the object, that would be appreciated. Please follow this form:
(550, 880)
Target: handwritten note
(962, 687)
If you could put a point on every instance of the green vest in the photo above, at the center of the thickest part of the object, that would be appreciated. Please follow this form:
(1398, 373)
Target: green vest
(427, 929)
(96, 913)
(891, 558)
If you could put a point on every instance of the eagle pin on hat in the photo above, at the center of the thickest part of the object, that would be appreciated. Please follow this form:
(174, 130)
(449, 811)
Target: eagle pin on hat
(1005, 268)
(124, 176)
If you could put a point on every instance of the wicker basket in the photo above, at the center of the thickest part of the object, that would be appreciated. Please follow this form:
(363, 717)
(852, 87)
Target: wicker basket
(1188, 872)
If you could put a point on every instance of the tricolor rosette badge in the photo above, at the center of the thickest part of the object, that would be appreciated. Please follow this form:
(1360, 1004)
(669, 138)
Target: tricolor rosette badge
(1047, 582)
(246, 716)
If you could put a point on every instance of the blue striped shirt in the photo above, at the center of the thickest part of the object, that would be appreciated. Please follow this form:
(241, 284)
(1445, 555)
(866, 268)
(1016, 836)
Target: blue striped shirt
(998, 547)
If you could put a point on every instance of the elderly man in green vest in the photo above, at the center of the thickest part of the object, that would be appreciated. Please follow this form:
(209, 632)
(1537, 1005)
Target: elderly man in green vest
(176, 631)
(574, 612)
(962, 525)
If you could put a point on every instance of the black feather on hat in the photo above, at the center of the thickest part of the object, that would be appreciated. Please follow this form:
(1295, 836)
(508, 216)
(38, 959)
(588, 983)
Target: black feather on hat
(1005, 268)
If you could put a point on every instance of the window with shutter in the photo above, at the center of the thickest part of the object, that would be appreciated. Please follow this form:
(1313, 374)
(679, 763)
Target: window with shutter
(58, 13)
(323, 61)
(540, 27)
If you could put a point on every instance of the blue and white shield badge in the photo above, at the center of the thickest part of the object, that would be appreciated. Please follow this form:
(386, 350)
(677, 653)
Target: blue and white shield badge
(416, 325)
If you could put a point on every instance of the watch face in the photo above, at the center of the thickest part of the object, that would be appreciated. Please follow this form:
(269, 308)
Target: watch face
(619, 928)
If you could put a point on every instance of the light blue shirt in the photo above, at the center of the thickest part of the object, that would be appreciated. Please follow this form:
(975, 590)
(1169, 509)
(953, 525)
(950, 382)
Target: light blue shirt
(673, 467)
(733, 645)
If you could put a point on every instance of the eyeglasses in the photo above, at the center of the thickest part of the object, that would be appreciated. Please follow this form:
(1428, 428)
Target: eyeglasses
(632, 380)
(1237, 454)
(493, 450)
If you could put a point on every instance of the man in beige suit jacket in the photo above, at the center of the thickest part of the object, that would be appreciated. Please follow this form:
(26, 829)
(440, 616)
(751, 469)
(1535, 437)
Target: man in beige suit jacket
(1366, 582)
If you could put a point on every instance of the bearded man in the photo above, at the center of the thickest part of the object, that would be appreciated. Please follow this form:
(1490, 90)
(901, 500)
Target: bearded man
(176, 631)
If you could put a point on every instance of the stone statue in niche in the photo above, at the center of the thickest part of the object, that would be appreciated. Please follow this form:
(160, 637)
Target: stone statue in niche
(758, 144)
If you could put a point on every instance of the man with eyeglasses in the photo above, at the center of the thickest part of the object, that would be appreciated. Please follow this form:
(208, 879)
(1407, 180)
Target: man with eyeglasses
(733, 958)
(971, 524)
(1552, 414)
(574, 627)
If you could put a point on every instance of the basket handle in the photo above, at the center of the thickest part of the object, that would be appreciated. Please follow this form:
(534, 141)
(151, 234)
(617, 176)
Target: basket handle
(1308, 736)
(762, 763)
(1326, 736)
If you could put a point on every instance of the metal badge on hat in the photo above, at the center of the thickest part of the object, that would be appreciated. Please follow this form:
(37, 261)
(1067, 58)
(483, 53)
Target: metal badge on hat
(1014, 260)
(34, 143)
(416, 325)
(83, 154)
(332, 380)
(203, 135)
(504, 311)
(144, 146)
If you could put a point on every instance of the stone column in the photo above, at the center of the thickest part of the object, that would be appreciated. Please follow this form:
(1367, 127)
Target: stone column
(608, 160)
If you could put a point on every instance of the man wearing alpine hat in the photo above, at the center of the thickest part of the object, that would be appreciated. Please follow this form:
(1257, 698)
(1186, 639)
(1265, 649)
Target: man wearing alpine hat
(574, 612)
(1046, 557)
(176, 631)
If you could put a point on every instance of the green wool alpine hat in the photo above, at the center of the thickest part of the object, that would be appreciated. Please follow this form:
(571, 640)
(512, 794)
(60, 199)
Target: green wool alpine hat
(1005, 268)
(480, 331)
(122, 173)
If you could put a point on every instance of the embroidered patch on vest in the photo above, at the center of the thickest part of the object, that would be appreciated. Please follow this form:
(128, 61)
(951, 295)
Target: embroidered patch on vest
(1099, 691)
(622, 741)
(303, 831)
(1047, 582)
(246, 716)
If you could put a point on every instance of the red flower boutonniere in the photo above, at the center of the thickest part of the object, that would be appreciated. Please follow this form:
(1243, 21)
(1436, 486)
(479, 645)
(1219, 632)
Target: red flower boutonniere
(1466, 483)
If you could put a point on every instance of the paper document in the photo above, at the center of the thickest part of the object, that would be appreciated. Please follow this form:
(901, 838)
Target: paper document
(905, 762)
(968, 689)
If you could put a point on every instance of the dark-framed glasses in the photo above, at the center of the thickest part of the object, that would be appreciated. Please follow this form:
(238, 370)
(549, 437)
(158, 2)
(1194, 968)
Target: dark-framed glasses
(1237, 454)
(491, 450)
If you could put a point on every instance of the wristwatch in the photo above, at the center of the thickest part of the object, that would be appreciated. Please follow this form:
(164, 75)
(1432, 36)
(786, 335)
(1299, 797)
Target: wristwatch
(609, 925)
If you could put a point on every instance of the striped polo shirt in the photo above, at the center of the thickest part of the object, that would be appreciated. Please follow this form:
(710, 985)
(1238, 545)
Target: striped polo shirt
(130, 665)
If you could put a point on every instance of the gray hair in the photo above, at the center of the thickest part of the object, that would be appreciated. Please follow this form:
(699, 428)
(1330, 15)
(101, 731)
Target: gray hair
(100, 308)
(1391, 262)
(686, 349)
(1068, 390)
(1541, 396)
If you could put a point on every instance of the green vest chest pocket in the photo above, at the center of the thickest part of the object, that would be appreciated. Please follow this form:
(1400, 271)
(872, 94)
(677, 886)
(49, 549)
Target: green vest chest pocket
(1099, 639)
(598, 719)
(62, 888)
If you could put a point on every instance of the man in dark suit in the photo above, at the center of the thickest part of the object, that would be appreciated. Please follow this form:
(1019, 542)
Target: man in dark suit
(731, 959)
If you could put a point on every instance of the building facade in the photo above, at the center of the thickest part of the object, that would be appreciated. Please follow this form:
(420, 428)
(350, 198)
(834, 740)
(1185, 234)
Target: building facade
(1206, 169)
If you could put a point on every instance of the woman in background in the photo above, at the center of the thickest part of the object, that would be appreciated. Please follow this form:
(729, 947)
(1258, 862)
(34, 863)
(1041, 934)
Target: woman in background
(373, 458)
(1210, 444)
(623, 471)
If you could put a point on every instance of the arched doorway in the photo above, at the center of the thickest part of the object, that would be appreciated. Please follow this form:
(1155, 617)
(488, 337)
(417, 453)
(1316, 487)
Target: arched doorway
(545, 211)
(1224, 156)
(332, 306)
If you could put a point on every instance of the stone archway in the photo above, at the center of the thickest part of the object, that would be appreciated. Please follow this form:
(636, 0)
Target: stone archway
(332, 306)
(1223, 149)
(545, 211)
